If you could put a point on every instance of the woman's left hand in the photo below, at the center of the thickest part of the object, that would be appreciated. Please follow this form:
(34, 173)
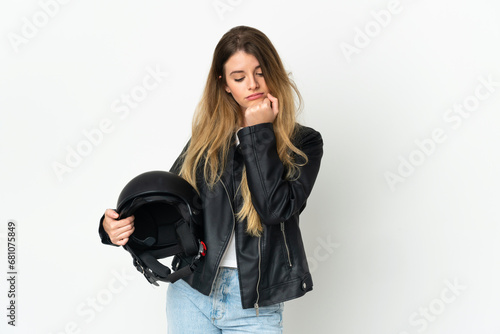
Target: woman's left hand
(264, 112)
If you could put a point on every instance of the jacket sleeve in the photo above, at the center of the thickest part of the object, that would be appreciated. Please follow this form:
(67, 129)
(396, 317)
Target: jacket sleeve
(275, 198)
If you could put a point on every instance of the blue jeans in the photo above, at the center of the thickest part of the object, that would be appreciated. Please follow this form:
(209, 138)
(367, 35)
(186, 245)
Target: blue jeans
(191, 312)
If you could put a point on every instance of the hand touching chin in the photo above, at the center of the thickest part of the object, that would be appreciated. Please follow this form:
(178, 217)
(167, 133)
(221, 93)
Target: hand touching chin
(264, 111)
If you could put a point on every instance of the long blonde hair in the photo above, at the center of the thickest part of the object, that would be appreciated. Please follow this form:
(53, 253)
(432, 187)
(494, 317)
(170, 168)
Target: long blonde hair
(217, 117)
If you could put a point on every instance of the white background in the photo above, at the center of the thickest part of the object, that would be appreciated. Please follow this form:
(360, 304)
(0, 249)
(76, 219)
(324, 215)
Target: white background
(383, 257)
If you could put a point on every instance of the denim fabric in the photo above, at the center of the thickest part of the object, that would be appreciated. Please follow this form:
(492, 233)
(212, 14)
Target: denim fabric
(191, 312)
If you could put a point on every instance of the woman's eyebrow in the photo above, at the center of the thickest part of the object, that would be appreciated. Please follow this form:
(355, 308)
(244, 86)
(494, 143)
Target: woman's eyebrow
(240, 71)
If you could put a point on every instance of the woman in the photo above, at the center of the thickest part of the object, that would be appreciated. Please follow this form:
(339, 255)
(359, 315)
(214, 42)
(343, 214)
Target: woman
(254, 168)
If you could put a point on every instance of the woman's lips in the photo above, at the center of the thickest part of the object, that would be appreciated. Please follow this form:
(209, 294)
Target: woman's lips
(255, 96)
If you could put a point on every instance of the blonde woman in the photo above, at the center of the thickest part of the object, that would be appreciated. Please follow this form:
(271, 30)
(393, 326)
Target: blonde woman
(254, 167)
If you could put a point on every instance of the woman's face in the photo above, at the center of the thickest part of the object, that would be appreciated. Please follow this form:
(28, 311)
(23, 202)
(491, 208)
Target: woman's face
(244, 79)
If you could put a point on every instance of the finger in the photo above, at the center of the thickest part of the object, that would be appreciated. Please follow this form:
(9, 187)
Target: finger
(266, 103)
(129, 219)
(121, 242)
(274, 102)
(124, 234)
(119, 236)
(111, 213)
(129, 228)
(271, 97)
(116, 224)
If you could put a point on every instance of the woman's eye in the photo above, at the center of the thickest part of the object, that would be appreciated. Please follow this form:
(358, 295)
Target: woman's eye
(260, 74)
(239, 80)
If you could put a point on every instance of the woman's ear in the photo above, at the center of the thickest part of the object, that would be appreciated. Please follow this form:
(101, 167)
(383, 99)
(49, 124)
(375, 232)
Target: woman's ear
(225, 87)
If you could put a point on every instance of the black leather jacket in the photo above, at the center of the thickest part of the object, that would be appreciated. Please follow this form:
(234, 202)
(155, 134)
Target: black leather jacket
(273, 267)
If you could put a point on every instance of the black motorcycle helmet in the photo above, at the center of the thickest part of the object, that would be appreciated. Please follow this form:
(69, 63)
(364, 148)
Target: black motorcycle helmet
(168, 221)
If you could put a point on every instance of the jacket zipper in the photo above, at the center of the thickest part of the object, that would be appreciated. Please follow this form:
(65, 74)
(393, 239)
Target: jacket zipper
(286, 244)
(256, 305)
(213, 282)
(232, 231)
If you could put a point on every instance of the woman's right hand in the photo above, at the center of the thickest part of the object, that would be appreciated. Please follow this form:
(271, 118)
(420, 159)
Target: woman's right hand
(118, 231)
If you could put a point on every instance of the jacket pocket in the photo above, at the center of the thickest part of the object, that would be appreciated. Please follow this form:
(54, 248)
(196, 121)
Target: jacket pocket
(285, 243)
